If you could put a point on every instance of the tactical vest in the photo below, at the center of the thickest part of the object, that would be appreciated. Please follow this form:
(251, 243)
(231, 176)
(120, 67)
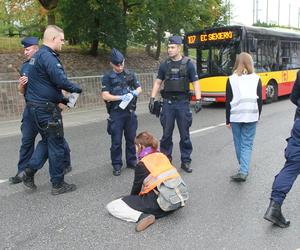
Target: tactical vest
(160, 170)
(121, 87)
(176, 78)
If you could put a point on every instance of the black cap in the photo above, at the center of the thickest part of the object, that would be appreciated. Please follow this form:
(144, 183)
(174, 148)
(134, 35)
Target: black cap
(29, 41)
(116, 57)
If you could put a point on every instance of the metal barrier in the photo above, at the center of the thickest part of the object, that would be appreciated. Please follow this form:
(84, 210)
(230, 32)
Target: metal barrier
(12, 103)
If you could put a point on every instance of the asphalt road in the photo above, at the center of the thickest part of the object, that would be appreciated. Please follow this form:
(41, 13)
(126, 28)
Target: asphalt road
(219, 215)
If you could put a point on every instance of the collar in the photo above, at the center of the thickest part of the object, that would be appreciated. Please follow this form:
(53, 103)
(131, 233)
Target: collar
(146, 151)
(50, 50)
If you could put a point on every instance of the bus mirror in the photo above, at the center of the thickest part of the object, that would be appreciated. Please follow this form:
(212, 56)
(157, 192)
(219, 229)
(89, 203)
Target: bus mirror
(252, 44)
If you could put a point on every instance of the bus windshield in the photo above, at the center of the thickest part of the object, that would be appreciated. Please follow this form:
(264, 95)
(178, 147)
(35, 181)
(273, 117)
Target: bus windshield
(216, 60)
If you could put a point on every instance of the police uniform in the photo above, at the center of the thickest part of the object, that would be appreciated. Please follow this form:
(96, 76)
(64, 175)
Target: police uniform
(285, 179)
(176, 100)
(46, 79)
(29, 131)
(121, 120)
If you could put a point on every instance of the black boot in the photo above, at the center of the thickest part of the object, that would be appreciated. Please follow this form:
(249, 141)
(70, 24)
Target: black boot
(274, 215)
(28, 178)
(15, 179)
(144, 221)
(186, 166)
(62, 187)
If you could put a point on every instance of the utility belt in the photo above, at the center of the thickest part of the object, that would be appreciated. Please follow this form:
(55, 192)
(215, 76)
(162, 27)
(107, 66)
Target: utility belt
(50, 106)
(176, 98)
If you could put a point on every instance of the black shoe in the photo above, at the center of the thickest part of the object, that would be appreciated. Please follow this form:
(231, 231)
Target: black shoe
(62, 188)
(28, 178)
(274, 215)
(15, 179)
(67, 170)
(239, 177)
(117, 172)
(186, 166)
(144, 221)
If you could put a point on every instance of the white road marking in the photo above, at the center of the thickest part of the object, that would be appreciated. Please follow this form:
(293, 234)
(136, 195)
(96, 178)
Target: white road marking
(3, 181)
(207, 128)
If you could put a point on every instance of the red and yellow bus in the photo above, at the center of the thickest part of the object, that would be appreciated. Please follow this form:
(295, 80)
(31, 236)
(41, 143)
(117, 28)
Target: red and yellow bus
(276, 56)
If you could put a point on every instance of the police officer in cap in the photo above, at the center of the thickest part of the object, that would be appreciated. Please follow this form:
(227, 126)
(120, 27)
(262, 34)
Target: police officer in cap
(285, 179)
(46, 80)
(30, 45)
(176, 73)
(120, 89)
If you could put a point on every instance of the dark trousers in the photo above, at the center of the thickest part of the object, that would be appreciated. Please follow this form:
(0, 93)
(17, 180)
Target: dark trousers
(53, 139)
(178, 111)
(119, 122)
(285, 179)
(38, 156)
(29, 132)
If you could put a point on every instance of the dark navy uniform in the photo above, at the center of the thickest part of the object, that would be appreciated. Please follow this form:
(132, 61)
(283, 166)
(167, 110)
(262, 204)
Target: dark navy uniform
(176, 76)
(285, 179)
(120, 120)
(46, 79)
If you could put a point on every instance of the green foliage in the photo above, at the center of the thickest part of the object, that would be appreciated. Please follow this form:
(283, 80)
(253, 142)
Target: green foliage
(114, 23)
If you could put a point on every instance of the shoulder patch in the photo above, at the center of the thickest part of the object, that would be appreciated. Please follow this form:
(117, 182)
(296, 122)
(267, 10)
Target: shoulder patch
(32, 61)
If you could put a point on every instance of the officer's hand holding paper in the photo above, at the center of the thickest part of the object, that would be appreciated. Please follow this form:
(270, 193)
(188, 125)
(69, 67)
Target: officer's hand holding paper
(72, 100)
(126, 99)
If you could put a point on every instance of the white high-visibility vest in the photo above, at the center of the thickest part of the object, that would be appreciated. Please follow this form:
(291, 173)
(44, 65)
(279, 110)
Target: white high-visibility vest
(244, 106)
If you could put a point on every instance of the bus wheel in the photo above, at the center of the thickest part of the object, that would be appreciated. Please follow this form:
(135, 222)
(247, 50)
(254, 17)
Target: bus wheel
(271, 92)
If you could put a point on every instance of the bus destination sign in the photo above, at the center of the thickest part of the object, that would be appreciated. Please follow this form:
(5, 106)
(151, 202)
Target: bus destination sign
(210, 36)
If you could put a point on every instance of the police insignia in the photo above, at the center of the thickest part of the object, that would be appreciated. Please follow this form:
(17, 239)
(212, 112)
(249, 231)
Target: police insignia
(59, 65)
(32, 61)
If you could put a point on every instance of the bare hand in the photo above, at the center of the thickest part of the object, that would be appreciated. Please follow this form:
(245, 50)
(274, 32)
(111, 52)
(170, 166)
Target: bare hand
(23, 80)
(228, 125)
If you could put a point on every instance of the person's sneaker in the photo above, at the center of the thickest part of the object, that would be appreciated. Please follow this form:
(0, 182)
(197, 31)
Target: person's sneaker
(28, 178)
(62, 188)
(15, 179)
(186, 166)
(117, 172)
(67, 170)
(239, 177)
(144, 221)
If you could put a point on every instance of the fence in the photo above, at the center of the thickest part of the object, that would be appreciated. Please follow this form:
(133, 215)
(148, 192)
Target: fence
(12, 103)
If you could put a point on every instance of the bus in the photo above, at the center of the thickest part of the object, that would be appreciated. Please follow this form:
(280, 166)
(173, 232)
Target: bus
(275, 52)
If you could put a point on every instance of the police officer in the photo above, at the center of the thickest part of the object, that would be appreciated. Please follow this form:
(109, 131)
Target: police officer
(285, 179)
(46, 79)
(29, 130)
(118, 87)
(176, 73)
(30, 45)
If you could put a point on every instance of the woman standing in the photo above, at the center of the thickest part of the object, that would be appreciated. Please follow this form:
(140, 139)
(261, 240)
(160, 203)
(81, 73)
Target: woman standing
(243, 109)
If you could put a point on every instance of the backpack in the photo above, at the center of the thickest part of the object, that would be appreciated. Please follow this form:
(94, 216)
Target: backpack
(172, 194)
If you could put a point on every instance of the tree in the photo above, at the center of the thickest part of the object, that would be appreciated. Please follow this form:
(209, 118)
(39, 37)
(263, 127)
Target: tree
(50, 5)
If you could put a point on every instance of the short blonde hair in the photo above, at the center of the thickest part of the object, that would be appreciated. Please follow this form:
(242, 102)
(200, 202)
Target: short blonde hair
(51, 32)
(243, 64)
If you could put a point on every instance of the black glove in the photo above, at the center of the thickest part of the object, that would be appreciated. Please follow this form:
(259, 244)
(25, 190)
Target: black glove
(198, 106)
(151, 105)
(65, 100)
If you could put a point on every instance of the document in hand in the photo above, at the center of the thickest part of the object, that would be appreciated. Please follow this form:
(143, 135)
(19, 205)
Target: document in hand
(72, 100)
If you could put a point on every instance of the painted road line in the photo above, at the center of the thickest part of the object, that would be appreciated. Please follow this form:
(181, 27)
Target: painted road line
(3, 181)
(207, 128)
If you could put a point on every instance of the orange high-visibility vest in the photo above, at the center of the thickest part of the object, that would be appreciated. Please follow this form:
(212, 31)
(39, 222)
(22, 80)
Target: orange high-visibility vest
(160, 170)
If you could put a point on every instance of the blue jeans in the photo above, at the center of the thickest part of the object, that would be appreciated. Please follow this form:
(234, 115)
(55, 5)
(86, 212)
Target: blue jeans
(243, 136)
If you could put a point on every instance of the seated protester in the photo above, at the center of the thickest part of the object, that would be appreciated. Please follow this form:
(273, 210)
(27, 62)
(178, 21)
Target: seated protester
(157, 188)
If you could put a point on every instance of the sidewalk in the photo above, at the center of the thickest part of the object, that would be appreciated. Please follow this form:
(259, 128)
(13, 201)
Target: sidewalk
(72, 119)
